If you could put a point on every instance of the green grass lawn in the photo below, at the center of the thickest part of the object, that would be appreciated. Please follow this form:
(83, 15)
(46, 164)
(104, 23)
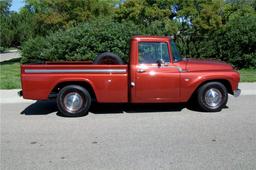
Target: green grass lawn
(10, 74)
(248, 75)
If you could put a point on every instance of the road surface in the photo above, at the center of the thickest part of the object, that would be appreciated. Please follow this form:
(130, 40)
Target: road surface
(34, 136)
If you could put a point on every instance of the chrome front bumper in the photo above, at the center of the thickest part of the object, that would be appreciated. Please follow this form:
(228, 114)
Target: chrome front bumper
(237, 93)
(20, 93)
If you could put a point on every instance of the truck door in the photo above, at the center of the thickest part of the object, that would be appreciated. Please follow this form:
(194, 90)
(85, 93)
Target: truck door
(156, 79)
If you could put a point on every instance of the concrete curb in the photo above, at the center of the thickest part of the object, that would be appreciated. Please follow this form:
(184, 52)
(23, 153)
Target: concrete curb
(11, 96)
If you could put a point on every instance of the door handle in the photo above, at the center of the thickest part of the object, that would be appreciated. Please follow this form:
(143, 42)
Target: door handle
(141, 71)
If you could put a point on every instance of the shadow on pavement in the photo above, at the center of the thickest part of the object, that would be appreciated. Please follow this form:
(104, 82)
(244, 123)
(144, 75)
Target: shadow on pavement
(10, 61)
(41, 108)
(135, 108)
(50, 106)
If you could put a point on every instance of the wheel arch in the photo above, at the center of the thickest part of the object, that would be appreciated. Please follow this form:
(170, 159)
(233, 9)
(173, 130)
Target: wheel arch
(225, 82)
(83, 83)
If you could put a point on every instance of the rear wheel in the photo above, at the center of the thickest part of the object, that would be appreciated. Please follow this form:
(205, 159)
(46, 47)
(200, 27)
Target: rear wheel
(74, 101)
(212, 97)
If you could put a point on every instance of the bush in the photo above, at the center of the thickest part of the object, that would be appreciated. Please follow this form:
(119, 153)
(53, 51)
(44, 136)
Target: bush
(2, 49)
(238, 42)
(83, 42)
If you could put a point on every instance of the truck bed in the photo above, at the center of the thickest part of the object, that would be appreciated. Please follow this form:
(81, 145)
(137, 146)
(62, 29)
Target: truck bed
(109, 82)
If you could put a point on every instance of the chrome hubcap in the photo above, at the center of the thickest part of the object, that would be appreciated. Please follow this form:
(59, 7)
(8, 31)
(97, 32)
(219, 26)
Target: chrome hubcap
(73, 102)
(213, 97)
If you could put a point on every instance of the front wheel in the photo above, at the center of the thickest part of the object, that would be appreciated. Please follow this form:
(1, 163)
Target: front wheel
(73, 101)
(212, 97)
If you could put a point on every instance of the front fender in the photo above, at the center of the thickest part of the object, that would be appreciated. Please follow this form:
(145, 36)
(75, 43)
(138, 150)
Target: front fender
(190, 81)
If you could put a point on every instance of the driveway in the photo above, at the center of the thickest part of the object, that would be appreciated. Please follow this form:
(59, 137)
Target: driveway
(9, 56)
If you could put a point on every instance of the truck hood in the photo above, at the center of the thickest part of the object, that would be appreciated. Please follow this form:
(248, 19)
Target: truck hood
(207, 65)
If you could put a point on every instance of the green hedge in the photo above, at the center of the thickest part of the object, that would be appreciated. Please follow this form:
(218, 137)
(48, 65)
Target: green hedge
(83, 42)
(2, 49)
(237, 43)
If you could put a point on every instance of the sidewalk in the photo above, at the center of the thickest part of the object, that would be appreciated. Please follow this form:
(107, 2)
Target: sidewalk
(248, 88)
(11, 96)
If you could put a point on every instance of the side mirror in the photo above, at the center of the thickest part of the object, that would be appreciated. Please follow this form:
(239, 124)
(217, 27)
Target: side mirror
(160, 62)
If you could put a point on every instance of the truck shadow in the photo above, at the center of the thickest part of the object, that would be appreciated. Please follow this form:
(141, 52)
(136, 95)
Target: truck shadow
(135, 108)
(50, 106)
(41, 108)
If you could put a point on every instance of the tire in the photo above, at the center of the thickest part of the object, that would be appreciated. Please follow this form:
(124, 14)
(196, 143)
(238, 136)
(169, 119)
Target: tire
(74, 101)
(212, 97)
(108, 58)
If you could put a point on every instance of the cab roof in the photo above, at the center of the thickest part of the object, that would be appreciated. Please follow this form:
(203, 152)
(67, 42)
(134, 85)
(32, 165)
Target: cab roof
(150, 38)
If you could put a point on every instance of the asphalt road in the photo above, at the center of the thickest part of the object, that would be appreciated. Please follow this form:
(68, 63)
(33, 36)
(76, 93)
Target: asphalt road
(121, 137)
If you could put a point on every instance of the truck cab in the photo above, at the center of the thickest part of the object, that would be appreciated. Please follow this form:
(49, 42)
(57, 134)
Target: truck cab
(155, 74)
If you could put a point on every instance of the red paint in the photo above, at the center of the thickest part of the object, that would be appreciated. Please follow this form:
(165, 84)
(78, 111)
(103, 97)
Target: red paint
(173, 82)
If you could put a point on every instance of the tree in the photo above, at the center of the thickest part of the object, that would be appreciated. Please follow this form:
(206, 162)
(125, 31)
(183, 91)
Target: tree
(205, 27)
(6, 34)
(4, 7)
(237, 41)
(62, 14)
(149, 13)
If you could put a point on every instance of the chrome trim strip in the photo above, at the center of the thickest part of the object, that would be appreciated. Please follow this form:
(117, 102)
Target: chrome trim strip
(155, 66)
(177, 67)
(75, 70)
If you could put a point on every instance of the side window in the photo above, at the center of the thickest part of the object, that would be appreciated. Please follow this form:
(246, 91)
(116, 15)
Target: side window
(150, 52)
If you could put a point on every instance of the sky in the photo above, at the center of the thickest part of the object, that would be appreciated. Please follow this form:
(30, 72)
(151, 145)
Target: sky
(16, 5)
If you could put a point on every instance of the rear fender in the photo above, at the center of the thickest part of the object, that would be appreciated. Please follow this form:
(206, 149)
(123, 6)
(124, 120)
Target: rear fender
(68, 81)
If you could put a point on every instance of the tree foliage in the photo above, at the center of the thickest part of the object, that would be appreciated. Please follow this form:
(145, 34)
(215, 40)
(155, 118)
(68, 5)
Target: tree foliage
(4, 7)
(149, 13)
(222, 29)
(39, 17)
(16, 28)
(62, 14)
(5, 34)
(240, 49)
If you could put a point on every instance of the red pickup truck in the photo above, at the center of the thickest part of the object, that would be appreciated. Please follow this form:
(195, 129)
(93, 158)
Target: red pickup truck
(155, 73)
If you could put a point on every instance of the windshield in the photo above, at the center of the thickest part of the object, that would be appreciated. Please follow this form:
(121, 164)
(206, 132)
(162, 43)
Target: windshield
(175, 52)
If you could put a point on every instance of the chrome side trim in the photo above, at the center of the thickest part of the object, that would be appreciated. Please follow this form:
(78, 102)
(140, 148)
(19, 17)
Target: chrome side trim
(177, 67)
(75, 70)
(155, 66)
